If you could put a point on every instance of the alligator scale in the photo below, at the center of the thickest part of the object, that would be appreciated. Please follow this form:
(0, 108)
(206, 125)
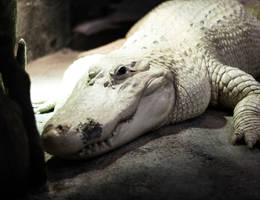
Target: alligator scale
(178, 59)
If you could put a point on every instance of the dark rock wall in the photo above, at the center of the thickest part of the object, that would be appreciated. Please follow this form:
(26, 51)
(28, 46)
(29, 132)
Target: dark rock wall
(101, 22)
(44, 24)
(22, 159)
(132, 9)
(48, 25)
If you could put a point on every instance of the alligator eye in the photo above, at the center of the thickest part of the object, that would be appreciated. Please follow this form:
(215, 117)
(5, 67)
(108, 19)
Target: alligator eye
(121, 71)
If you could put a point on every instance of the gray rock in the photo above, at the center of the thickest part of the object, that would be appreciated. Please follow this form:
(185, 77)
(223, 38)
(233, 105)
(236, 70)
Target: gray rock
(44, 24)
(190, 160)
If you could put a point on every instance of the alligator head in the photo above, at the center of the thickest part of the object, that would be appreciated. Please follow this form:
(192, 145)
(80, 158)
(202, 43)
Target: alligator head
(117, 100)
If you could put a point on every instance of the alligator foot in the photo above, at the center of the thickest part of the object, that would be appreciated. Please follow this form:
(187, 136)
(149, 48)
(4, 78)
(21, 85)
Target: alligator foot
(247, 121)
(43, 106)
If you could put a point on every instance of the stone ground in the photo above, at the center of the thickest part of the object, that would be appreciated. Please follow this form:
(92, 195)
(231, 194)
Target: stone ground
(190, 160)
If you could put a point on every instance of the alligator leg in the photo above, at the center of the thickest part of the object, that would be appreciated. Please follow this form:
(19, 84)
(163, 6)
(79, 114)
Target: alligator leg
(234, 88)
(43, 106)
(247, 120)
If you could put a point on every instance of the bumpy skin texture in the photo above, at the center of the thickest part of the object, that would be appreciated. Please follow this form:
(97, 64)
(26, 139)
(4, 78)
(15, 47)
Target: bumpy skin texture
(221, 44)
(206, 48)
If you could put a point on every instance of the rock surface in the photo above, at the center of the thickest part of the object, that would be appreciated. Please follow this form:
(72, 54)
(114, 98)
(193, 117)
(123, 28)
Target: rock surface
(44, 24)
(105, 20)
(191, 160)
(253, 7)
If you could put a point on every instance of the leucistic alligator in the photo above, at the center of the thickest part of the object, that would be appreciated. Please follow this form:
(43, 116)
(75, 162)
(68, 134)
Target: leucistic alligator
(178, 59)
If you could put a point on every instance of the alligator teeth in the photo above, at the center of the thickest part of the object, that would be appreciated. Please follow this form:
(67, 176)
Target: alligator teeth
(99, 145)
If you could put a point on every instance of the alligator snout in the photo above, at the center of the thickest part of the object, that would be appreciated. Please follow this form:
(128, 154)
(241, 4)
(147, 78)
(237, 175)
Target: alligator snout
(64, 140)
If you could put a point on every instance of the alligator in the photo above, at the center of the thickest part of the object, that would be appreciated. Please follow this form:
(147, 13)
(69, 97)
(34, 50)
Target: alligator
(177, 60)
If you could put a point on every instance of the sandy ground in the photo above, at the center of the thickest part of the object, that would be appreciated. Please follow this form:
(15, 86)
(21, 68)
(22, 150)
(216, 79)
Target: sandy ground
(191, 160)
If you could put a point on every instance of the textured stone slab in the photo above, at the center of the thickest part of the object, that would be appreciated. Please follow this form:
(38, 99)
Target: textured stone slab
(44, 24)
(191, 160)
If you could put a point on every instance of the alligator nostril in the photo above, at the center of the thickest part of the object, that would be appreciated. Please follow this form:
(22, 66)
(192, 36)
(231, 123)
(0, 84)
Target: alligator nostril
(48, 139)
(48, 127)
(62, 128)
(60, 141)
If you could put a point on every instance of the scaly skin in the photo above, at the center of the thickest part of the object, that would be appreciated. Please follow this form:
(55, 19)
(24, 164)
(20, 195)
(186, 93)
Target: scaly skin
(181, 57)
(229, 37)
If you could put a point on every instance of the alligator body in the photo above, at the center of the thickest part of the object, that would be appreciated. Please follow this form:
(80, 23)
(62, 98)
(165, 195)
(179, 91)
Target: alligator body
(178, 59)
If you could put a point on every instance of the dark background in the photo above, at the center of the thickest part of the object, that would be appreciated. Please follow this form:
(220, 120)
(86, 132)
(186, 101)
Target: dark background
(48, 25)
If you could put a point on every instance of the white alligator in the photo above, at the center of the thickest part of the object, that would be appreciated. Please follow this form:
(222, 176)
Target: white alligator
(178, 59)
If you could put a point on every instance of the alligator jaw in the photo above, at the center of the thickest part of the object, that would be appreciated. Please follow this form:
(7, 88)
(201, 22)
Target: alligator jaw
(137, 124)
(120, 111)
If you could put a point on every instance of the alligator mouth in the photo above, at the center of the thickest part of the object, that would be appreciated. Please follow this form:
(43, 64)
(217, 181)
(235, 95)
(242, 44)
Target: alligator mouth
(94, 148)
(99, 135)
(125, 130)
(104, 145)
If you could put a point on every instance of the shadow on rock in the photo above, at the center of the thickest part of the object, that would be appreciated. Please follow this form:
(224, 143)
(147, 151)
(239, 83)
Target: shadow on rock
(190, 160)
(61, 169)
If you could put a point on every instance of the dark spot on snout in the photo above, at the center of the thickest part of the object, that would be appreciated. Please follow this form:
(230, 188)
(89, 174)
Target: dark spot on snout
(90, 129)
